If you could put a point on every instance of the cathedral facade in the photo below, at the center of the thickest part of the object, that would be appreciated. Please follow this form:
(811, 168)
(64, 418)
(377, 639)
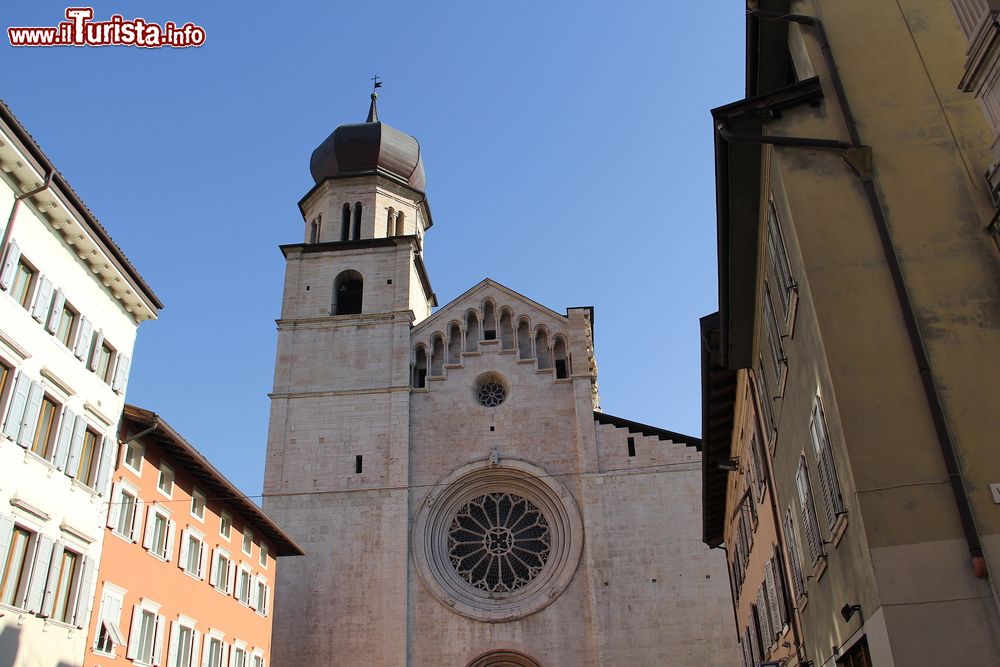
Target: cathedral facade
(460, 496)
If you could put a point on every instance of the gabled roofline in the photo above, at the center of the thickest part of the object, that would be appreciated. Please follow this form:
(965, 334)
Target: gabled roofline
(69, 195)
(208, 476)
(482, 284)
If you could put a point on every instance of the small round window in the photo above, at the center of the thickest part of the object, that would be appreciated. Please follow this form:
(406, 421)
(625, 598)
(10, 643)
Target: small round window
(491, 389)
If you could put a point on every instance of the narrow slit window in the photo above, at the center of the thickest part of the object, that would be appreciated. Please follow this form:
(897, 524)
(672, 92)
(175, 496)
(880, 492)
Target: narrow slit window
(357, 464)
(345, 223)
(631, 447)
(389, 221)
(356, 232)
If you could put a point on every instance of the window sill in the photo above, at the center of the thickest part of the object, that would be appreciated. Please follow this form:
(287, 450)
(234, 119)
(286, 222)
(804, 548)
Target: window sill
(162, 559)
(77, 484)
(447, 366)
(168, 496)
(32, 456)
(507, 351)
(193, 575)
(838, 530)
(472, 354)
(102, 653)
(563, 381)
(123, 538)
(222, 591)
(137, 473)
(819, 569)
(61, 624)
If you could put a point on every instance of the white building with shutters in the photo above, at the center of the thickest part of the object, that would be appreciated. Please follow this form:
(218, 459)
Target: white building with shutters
(70, 303)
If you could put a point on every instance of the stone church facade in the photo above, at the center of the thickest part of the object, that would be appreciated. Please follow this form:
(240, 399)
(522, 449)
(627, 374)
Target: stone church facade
(460, 496)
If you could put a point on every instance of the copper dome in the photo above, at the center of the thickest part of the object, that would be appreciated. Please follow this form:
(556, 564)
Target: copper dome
(371, 147)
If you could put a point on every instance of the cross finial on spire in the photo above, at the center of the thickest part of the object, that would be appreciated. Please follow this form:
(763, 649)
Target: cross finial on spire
(372, 110)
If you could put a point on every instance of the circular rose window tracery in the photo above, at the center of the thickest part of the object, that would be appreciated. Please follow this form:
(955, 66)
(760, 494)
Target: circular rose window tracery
(491, 394)
(499, 542)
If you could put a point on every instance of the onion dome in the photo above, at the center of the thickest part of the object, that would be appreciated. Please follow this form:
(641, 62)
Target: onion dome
(371, 147)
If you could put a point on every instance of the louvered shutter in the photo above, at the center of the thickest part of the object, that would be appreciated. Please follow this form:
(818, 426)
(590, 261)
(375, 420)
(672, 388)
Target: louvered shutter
(147, 539)
(121, 373)
(55, 314)
(55, 565)
(158, 641)
(43, 299)
(809, 522)
(30, 418)
(9, 265)
(182, 558)
(206, 651)
(766, 632)
(113, 615)
(18, 402)
(230, 576)
(39, 574)
(95, 350)
(213, 568)
(201, 560)
(175, 636)
(6, 535)
(772, 598)
(755, 651)
(114, 506)
(108, 454)
(794, 556)
(83, 337)
(195, 647)
(134, 633)
(780, 588)
(253, 592)
(85, 597)
(169, 549)
(266, 600)
(64, 438)
(76, 447)
(225, 654)
(833, 502)
(137, 520)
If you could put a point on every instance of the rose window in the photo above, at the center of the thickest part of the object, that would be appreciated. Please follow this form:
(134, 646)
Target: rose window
(498, 542)
(491, 394)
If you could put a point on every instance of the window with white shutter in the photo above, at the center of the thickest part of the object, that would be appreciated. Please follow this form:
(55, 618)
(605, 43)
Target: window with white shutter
(771, 591)
(833, 501)
(794, 557)
(779, 362)
(809, 523)
(108, 634)
(145, 642)
(17, 553)
(183, 645)
(764, 401)
(43, 299)
(159, 535)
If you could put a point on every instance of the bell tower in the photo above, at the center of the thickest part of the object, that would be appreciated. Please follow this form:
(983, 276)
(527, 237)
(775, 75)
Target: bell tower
(337, 455)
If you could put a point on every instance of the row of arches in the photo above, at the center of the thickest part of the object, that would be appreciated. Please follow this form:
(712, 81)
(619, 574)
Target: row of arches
(548, 351)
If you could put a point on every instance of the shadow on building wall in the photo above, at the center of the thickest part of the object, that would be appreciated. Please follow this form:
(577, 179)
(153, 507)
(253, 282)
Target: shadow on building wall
(10, 643)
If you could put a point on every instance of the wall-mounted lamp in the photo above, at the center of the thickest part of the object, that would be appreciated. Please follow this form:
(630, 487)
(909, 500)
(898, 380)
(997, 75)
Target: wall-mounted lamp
(847, 611)
(729, 465)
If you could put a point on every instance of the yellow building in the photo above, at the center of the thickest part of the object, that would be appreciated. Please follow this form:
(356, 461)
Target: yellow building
(851, 375)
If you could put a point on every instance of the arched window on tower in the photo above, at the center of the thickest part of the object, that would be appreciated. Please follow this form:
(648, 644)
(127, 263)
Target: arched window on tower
(506, 329)
(471, 331)
(420, 368)
(389, 221)
(400, 222)
(455, 343)
(542, 351)
(345, 223)
(437, 355)
(561, 358)
(489, 321)
(524, 340)
(356, 233)
(348, 289)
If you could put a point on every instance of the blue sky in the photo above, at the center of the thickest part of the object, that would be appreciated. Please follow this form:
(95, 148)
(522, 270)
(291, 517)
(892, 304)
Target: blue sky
(568, 149)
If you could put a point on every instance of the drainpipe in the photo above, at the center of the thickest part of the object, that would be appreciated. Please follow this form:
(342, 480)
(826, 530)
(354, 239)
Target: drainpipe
(13, 213)
(944, 436)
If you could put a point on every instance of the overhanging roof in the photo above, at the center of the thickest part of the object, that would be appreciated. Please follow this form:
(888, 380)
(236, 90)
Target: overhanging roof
(718, 400)
(208, 477)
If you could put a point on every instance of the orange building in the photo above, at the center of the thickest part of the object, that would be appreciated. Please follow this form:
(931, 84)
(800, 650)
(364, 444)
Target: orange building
(188, 567)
